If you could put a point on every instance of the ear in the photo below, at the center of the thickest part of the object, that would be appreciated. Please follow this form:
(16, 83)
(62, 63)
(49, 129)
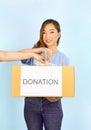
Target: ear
(59, 35)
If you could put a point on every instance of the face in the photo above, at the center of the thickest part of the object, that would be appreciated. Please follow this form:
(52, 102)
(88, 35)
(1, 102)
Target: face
(50, 35)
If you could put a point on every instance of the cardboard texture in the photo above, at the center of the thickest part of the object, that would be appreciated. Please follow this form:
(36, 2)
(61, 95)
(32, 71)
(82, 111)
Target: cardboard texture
(68, 81)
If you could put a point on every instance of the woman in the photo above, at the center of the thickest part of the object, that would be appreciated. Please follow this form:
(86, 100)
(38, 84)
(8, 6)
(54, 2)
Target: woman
(25, 54)
(46, 111)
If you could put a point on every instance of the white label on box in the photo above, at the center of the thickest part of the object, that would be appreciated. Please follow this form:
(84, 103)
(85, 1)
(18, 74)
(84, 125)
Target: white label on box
(41, 81)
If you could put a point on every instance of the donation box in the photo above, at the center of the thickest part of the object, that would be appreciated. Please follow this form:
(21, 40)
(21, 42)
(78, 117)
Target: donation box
(43, 81)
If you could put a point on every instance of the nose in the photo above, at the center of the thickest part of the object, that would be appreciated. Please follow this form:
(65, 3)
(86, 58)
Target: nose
(47, 35)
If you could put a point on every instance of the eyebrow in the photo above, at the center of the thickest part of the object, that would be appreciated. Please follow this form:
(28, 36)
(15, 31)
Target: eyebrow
(50, 30)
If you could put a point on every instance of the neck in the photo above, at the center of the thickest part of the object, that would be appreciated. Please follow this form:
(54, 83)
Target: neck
(54, 49)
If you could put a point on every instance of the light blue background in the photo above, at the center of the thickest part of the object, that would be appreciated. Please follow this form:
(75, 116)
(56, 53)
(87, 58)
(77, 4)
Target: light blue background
(20, 22)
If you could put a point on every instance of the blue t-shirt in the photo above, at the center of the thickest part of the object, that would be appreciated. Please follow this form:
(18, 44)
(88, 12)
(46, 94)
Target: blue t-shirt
(57, 58)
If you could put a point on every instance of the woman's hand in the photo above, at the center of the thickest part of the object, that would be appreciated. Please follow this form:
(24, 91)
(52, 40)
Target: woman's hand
(48, 54)
(39, 57)
(52, 99)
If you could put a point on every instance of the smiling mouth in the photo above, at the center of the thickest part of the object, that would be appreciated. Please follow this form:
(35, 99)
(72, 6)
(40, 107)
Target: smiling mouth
(48, 41)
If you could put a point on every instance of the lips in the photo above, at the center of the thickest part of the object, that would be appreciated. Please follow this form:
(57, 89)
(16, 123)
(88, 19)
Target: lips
(48, 41)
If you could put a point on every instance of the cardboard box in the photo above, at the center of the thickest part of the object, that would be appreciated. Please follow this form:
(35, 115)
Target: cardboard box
(43, 81)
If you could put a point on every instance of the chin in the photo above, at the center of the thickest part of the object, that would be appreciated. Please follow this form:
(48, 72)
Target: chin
(48, 44)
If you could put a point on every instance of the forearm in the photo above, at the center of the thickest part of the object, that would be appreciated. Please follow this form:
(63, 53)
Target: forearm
(13, 56)
(25, 54)
(33, 50)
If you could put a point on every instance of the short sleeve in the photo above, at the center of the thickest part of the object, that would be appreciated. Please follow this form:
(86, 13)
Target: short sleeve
(66, 61)
(28, 61)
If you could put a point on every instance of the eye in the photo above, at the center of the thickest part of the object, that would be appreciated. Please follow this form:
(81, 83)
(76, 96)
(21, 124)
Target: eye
(52, 32)
(43, 32)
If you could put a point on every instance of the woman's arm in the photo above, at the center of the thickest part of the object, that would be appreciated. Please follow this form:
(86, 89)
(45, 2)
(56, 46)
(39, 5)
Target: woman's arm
(34, 50)
(13, 56)
(46, 51)
(25, 54)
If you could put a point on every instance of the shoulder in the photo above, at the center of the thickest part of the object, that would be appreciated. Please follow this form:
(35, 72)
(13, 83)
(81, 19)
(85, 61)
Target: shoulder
(61, 54)
(63, 58)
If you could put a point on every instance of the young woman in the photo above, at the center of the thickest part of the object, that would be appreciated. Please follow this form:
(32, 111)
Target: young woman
(25, 54)
(46, 111)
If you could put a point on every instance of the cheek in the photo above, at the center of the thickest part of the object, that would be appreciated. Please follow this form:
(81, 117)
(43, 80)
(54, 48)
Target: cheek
(43, 38)
(57, 37)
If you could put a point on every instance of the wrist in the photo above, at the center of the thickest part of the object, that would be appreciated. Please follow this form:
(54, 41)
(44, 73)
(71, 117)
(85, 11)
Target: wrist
(42, 49)
(32, 55)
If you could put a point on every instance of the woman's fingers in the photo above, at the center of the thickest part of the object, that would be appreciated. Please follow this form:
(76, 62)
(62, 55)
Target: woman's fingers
(46, 57)
(39, 58)
(48, 54)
